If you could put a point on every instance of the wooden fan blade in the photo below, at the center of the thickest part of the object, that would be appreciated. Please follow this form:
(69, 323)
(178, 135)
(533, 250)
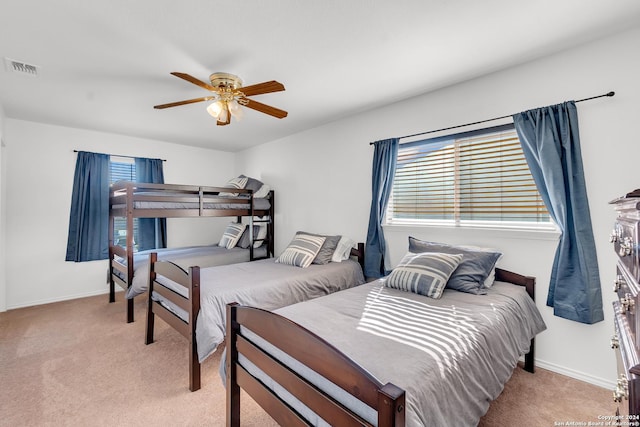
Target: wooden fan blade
(264, 108)
(188, 101)
(260, 88)
(195, 81)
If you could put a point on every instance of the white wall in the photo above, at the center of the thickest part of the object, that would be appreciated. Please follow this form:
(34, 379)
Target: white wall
(40, 164)
(322, 176)
(3, 169)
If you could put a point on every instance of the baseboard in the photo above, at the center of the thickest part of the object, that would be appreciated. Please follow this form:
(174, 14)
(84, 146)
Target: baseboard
(59, 299)
(608, 384)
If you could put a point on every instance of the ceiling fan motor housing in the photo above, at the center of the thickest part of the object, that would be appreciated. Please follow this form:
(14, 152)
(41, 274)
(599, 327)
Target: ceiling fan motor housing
(225, 80)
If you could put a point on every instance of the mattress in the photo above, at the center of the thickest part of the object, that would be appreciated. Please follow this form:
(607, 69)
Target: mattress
(185, 257)
(452, 356)
(265, 284)
(209, 204)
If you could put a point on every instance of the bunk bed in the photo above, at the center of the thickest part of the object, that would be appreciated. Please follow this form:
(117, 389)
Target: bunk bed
(130, 200)
(373, 355)
(194, 302)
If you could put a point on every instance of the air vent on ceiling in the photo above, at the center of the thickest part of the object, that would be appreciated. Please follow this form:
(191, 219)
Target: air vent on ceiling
(21, 67)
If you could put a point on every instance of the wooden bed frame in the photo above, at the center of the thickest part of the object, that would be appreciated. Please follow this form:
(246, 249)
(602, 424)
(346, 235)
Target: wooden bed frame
(321, 357)
(122, 204)
(191, 281)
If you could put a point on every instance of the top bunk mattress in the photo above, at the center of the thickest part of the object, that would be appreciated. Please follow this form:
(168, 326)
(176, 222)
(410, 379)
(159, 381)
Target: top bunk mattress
(242, 204)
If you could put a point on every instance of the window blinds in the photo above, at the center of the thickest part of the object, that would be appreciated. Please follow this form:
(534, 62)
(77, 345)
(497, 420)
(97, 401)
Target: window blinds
(475, 176)
(123, 171)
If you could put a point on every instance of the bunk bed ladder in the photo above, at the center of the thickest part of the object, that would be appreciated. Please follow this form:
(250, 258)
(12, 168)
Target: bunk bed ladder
(269, 239)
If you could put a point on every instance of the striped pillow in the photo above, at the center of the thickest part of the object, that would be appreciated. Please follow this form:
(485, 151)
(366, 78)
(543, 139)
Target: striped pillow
(424, 274)
(231, 235)
(238, 182)
(302, 250)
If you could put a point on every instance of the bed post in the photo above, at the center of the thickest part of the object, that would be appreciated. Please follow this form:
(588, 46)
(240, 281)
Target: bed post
(194, 296)
(391, 406)
(529, 362)
(529, 283)
(129, 249)
(150, 314)
(232, 388)
(361, 254)
(271, 224)
(112, 285)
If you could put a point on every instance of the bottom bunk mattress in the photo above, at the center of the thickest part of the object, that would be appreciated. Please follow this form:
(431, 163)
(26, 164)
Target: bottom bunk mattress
(264, 283)
(185, 257)
(452, 355)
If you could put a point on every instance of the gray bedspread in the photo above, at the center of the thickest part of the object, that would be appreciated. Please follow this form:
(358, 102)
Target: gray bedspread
(265, 284)
(452, 355)
(185, 257)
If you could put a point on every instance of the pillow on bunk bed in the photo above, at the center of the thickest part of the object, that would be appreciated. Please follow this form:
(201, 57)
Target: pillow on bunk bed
(239, 182)
(263, 192)
(259, 233)
(302, 250)
(231, 235)
(474, 270)
(260, 189)
(252, 183)
(424, 273)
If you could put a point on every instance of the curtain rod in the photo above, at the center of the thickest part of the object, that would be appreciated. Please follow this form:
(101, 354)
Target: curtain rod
(118, 155)
(489, 120)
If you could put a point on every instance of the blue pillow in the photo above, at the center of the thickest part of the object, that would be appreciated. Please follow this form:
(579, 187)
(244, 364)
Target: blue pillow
(475, 267)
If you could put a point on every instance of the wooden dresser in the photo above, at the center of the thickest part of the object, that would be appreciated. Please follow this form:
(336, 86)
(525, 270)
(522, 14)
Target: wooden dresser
(626, 339)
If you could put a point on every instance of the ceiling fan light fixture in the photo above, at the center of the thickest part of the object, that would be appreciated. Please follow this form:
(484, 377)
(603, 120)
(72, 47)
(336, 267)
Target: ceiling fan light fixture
(235, 110)
(216, 108)
(224, 113)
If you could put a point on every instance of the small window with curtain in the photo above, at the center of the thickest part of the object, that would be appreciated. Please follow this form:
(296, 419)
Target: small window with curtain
(478, 178)
(123, 169)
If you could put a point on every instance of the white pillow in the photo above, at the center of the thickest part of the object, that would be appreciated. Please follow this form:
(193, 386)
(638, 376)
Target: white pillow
(343, 250)
(231, 235)
(262, 192)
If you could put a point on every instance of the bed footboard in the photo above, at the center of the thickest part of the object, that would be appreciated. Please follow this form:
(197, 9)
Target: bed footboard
(387, 400)
(190, 306)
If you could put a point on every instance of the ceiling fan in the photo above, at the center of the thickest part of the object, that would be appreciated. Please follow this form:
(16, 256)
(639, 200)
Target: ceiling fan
(228, 95)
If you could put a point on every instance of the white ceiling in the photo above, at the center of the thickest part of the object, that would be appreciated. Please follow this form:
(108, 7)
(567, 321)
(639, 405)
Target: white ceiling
(104, 64)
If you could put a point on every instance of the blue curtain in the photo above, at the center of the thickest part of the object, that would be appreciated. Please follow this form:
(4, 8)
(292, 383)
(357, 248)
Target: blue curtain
(384, 168)
(88, 237)
(152, 232)
(551, 144)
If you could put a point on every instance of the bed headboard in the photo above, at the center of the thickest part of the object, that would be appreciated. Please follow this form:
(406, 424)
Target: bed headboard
(358, 253)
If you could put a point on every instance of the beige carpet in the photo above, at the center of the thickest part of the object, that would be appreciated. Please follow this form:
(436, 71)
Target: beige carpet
(78, 363)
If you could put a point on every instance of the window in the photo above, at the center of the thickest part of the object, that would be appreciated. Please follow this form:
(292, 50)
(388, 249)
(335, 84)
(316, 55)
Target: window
(477, 178)
(123, 169)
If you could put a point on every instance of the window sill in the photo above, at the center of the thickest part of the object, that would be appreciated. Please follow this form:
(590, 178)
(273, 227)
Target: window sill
(499, 232)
